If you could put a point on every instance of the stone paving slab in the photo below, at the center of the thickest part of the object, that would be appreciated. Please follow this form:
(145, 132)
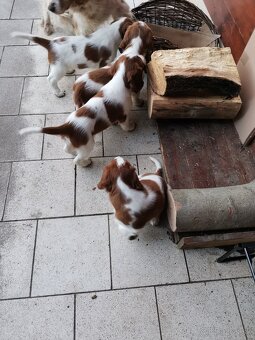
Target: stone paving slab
(199, 311)
(24, 61)
(145, 165)
(26, 9)
(40, 189)
(9, 26)
(245, 294)
(6, 8)
(143, 140)
(10, 95)
(17, 246)
(54, 145)
(14, 147)
(117, 315)
(89, 199)
(45, 318)
(202, 265)
(1, 52)
(72, 255)
(5, 169)
(38, 98)
(151, 259)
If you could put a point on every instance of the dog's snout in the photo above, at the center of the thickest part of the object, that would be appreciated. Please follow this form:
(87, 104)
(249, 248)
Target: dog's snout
(52, 7)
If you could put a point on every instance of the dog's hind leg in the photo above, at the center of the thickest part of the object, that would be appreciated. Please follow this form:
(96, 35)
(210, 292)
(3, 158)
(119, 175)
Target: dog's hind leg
(56, 73)
(83, 153)
(46, 20)
(69, 147)
(128, 125)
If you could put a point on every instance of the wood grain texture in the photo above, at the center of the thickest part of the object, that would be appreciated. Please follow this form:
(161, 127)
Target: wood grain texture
(234, 20)
(204, 153)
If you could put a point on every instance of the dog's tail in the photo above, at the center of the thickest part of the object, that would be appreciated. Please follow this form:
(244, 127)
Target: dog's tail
(63, 130)
(38, 40)
(158, 171)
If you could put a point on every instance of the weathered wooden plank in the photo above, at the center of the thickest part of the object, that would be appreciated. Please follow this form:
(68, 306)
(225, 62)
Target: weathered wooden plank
(216, 107)
(216, 240)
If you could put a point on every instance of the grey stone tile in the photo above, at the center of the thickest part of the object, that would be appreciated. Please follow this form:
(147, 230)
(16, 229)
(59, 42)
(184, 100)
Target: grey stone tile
(24, 61)
(203, 266)
(40, 189)
(245, 293)
(10, 95)
(38, 98)
(143, 140)
(72, 255)
(45, 318)
(89, 199)
(26, 9)
(5, 169)
(53, 145)
(151, 259)
(199, 311)
(6, 7)
(146, 165)
(1, 52)
(8, 26)
(17, 246)
(14, 147)
(117, 315)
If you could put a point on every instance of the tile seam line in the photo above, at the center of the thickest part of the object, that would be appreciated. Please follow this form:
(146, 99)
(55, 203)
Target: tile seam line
(66, 159)
(163, 285)
(238, 307)
(7, 190)
(157, 308)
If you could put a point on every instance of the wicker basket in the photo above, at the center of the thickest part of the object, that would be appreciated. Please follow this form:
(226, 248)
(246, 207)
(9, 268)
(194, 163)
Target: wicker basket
(180, 14)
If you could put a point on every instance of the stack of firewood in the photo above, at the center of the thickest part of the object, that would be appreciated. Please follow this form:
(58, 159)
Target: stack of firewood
(193, 83)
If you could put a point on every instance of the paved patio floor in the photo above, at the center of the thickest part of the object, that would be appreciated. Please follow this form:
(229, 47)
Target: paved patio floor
(65, 270)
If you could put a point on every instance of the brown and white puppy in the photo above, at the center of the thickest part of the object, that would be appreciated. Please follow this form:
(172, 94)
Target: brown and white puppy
(85, 16)
(137, 40)
(96, 50)
(111, 105)
(137, 200)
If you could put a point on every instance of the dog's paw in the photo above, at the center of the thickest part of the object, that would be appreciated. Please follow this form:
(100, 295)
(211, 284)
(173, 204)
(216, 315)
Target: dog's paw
(83, 162)
(154, 222)
(139, 102)
(60, 94)
(48, 29)
(70, 71)
(132, 126)
(133, 237)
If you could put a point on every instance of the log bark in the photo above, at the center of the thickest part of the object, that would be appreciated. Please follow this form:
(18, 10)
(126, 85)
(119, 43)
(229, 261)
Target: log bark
(213, 107)
(221, 208)
(201, 71)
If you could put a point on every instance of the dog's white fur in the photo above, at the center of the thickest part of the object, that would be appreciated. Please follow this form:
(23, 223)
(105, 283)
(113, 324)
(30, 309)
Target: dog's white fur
(135, 206)
(66, 58)
(114, 93)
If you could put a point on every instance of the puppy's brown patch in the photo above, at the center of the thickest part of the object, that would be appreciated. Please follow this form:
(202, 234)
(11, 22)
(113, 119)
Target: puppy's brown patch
(81, 66)
(115, 112)
(81, 94)
(101, 76)
(100, 125)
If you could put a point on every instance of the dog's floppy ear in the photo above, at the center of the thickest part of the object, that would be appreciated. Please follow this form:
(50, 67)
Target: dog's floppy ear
(131, 32)
(109, 177)
(124, 26)
(134, 74)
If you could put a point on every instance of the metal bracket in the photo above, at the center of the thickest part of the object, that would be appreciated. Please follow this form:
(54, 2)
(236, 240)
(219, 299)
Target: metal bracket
(248, 249)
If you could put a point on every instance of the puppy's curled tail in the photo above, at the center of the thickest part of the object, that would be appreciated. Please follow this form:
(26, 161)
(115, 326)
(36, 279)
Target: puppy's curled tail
(38, 40)
(64, 130)
(158, 171)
